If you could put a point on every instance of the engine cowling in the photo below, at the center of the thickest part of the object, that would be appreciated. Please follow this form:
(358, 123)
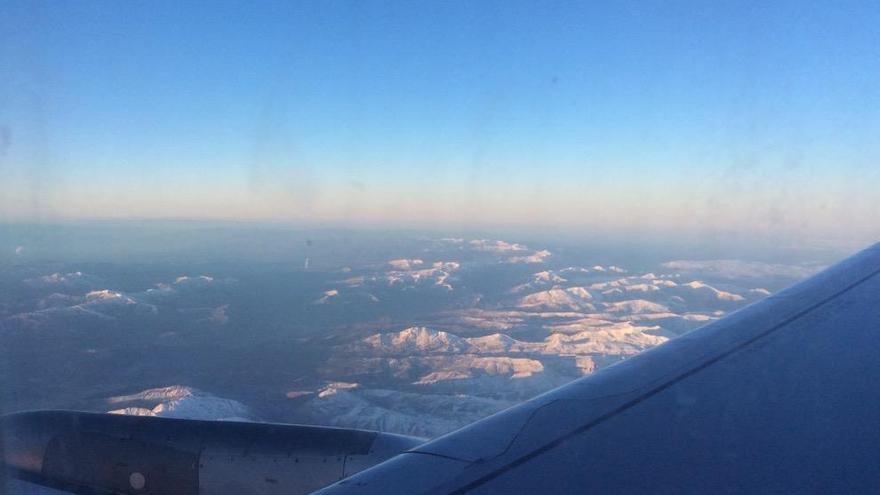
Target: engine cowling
(105, 453)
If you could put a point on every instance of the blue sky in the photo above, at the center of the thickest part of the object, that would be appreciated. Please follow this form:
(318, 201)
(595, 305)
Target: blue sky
(746, 116)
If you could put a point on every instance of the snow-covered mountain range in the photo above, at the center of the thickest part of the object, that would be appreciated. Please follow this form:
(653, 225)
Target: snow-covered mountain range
(178, 401)
(437, 334)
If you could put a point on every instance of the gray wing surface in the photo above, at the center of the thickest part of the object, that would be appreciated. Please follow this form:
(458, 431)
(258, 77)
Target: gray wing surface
(780, 397)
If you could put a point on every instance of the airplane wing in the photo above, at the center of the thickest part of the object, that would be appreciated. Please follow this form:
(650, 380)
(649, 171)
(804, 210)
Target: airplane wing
(780, 397)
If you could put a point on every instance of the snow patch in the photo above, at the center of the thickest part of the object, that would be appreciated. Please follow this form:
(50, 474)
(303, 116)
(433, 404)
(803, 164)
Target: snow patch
(405, 264)
(537, 257)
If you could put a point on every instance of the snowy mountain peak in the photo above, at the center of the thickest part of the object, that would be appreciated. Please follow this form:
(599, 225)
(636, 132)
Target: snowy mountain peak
(547, 276)
(106, 295)
(157, 394)
(713, 292)
(180, 401)
(405, 264)
(334, 387)
(571, 298)
(537, 257)
(201, 279)
(413, 340)
(635, 306)
(496, 246)
(696, 284)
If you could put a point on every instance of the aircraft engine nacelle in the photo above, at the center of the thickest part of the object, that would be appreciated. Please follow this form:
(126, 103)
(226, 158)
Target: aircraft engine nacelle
(104, 453)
